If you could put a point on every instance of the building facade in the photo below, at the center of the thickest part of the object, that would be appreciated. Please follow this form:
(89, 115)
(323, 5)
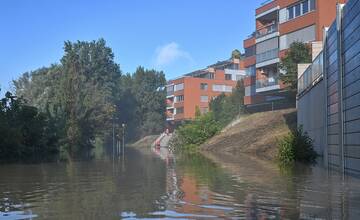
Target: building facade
(196, 89)
(279, 23)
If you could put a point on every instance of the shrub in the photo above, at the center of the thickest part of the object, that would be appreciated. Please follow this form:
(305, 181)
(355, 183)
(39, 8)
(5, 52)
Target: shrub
(296, 146)
(196, 132)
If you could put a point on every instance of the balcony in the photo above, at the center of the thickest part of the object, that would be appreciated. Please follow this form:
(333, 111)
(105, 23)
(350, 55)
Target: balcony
(170, 105)
(268, 84)
(170, 116)
(269, 29)
(235, 74)
(266, 56)
(266, 7)
(170, 90)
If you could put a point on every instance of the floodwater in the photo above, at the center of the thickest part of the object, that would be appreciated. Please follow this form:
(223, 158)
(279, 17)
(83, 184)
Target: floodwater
(153, 185)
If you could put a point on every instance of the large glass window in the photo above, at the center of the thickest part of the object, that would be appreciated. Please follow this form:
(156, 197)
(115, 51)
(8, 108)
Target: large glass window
(179, 98)
(250, 51)
(251, 71)
(305, 6)
(301, 8)
(179, 87)
(291, 12)
(297, 10)
(312, 5)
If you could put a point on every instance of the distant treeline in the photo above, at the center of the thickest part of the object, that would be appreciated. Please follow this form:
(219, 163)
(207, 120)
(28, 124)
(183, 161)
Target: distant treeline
(78, 101)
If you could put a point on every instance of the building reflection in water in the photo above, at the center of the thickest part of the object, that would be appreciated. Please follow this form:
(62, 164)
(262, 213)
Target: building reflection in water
(254, 190)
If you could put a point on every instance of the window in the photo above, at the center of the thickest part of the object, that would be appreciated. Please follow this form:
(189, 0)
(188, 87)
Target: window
(222, 88)
(297, 10)
(305, 7)
(180, 110)
(218, 88)
(211, 75)
(301, 8)
(291, 13)
(312, 5)
(250, 51)
(304, 35)
(169, 90)
(179, 98)
(204, 98)
(204, 86)
(250, 71)
(179, 87)
(228, 77)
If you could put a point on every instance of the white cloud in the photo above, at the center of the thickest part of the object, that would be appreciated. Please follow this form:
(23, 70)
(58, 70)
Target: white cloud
(169, 53)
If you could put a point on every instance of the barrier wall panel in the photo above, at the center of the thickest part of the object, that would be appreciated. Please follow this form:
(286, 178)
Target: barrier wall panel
(352, 89)
(351, 86)
(352, 126)
(352, 101)
(351, 52)
(352, 76)
(352, 35)
(341, 92)
(350, 22)
(352, 151)
(333, 119)
(352, 114)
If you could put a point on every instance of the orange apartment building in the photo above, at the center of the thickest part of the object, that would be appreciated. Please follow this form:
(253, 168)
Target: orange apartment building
(197, 88)
(279, 23)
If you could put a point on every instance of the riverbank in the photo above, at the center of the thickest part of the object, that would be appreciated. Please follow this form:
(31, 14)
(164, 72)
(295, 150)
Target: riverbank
(255, 135)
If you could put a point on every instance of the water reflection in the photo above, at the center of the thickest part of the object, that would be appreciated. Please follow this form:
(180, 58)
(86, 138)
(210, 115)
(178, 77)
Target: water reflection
(86, 190)
(145, 186)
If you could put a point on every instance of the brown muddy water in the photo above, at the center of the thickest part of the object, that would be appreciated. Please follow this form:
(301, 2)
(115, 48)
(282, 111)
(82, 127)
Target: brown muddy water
(155, 186)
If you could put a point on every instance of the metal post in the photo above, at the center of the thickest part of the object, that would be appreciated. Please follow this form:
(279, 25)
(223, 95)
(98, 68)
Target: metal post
(340, 86)
(123, 138)
(325, 78)
(119, 147)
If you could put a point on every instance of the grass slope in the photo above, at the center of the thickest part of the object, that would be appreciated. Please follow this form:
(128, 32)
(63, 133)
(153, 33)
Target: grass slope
(256, 134)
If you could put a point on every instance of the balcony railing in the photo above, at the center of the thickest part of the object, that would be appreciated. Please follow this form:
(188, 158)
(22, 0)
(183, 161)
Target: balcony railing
(268, 55)
(312, 74)
(267, 30)
(170, 105)
(170, 92)
(263, 83)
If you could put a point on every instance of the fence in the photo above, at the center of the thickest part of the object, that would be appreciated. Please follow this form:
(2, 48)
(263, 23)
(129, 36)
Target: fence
(331, 86)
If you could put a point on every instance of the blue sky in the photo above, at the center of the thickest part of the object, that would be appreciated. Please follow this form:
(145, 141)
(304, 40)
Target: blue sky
(176, 36)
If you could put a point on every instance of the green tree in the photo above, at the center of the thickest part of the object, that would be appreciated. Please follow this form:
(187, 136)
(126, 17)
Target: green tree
(150, 100)
(89, 84)
(86, 94)
(24, 132)
(226, 108)
(297, 53)
(197, 132)
(236, 54)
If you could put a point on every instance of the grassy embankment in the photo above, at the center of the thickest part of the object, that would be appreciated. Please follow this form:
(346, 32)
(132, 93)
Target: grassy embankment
(256, 134)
